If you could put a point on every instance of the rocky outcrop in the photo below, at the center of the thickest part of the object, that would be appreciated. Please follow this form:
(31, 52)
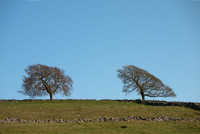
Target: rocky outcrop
(102, 119)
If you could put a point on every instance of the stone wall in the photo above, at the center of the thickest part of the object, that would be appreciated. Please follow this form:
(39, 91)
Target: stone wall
(102, 119)
(192, 105)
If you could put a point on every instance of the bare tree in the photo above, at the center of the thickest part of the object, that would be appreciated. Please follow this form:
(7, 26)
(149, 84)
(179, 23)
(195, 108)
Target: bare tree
(43, 80)
(139, 80)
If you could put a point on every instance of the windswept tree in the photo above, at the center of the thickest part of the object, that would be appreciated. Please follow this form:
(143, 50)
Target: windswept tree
(43, 80)
(139, 80)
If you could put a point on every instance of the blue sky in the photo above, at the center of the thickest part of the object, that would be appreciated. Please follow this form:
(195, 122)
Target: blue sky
(91, 39)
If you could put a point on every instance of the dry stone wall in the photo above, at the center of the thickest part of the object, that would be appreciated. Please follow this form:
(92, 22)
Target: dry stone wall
(102, 119)
(192, 105)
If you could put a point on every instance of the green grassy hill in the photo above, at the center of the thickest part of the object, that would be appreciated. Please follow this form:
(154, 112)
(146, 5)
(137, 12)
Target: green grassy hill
(79, 109)
(76, 109)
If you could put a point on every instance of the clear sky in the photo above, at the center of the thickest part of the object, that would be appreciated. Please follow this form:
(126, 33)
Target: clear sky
(91, 39)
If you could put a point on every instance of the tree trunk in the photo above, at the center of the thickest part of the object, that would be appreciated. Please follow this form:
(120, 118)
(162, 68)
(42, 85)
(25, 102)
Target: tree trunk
(142, 94)
(51, 96)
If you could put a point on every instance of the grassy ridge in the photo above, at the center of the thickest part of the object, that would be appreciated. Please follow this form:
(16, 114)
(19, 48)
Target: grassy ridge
(76, 109)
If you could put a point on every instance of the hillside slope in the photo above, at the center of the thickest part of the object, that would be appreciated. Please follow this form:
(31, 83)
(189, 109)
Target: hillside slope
(79, 109)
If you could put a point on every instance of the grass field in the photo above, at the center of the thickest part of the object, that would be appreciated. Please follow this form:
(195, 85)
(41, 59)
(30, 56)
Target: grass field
(104, 127)
(78, 109)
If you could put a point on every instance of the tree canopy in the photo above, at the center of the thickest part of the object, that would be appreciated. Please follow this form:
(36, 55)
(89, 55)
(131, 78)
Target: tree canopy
(43, 80)
(139, 80)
